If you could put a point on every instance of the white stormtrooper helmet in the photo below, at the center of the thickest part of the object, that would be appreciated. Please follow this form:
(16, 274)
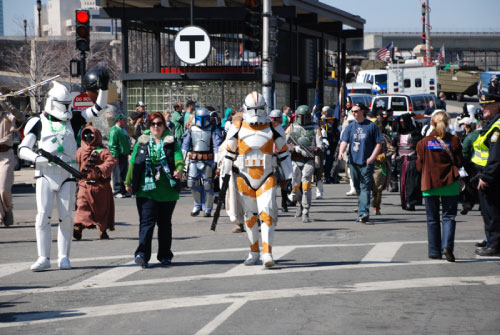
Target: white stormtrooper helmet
(255, 109)
(202, 118)
(59, 102)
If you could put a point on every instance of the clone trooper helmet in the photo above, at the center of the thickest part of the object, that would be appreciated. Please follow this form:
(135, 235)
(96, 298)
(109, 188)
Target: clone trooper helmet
(303, 115)
(255, 109)
(276, 115)
(202, 118)
(59, 102)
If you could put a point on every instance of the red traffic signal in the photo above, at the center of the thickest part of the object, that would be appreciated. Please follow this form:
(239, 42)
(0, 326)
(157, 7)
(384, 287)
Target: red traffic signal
(82, 30)
(82, 16)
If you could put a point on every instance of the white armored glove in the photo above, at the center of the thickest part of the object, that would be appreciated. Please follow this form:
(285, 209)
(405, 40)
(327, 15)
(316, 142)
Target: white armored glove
(227, 166)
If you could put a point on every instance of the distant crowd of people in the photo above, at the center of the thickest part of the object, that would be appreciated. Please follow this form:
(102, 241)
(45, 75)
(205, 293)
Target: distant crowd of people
(153, 155)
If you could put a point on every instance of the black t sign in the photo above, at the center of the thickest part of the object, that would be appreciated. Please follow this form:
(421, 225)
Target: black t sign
(192, 39)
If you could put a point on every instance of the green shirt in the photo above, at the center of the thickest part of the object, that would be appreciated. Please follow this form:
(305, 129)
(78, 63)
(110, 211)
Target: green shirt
(163, 191)
(118, 142)
(178, 122)
(285, 121)
(447, 190)
(468, 145)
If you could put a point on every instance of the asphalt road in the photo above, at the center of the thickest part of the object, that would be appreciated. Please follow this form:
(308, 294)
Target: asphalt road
(333, 276)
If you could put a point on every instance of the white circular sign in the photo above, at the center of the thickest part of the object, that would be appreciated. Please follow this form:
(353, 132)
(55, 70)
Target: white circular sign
(192, 45)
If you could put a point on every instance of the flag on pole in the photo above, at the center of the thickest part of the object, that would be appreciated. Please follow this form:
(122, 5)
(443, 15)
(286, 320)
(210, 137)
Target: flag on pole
(441, 55)
(385, 53)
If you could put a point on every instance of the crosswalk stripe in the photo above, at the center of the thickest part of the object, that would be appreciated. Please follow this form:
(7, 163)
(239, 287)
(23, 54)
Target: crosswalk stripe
(27, 319)
(382, 252)
(248, 271)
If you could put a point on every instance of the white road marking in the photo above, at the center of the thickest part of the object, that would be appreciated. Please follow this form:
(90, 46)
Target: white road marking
(382, 252)
(109, 276)
(247, 271)
(219, 319)
(240, 298)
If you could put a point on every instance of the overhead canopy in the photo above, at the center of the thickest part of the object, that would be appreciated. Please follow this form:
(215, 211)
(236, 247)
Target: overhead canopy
(309, 12)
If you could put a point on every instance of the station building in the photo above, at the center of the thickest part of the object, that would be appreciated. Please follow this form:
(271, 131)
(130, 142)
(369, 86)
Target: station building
(305, 35)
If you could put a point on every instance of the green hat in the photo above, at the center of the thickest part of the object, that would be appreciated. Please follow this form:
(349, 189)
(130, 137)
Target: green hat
(120, 116)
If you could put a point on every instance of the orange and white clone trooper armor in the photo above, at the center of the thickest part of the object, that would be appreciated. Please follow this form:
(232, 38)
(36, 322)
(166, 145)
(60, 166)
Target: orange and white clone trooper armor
(249, 154)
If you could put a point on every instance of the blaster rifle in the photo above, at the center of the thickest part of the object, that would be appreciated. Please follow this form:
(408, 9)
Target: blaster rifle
(27, 89)
(59, 162)
(220, 200)
(308, 152)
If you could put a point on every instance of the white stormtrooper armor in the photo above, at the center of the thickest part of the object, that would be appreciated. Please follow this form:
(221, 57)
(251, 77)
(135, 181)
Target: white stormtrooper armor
(251, 148)
(203, 140)
(54, 133)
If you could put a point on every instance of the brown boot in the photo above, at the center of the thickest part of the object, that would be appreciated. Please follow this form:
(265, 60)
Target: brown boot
(77, 231)
(103, 235)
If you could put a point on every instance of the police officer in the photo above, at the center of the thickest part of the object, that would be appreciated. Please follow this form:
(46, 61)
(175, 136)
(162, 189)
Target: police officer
(487, 160)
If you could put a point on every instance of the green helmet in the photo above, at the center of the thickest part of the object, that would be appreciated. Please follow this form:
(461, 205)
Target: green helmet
(303, 115)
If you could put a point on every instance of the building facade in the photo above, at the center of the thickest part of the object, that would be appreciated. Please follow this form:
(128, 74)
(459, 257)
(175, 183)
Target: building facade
(58, 19)
(303, 33)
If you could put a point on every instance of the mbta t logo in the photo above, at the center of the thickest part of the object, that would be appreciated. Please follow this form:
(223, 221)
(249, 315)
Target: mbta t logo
(192, 45)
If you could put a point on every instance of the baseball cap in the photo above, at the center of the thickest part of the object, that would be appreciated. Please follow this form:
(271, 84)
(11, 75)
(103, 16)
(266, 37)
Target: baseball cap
(465, 120)
(191, 102)
(140, 104)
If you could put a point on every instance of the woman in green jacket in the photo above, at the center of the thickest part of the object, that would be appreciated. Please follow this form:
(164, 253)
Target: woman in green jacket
(154, 178)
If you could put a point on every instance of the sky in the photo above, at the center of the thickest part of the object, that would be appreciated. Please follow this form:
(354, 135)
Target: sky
(380, 15)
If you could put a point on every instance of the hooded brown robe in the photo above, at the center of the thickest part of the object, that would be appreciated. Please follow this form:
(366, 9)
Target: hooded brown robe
(95, 203)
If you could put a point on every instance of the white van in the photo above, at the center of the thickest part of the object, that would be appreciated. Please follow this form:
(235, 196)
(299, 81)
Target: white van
(359, 88)
(401, 103)
(376, 78)
(412, 79)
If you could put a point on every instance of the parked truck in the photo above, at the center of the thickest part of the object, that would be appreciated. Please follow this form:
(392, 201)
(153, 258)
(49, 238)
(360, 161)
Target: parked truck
(457, 81)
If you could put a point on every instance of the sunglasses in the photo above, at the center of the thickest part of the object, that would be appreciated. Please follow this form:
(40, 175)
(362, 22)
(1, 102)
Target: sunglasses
(157, 124)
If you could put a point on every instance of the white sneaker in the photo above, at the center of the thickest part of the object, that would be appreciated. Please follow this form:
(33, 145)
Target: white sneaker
(253, 258)
(41, 264)
(267, 260)
(319, 196)
(351, 192)
(64, 264)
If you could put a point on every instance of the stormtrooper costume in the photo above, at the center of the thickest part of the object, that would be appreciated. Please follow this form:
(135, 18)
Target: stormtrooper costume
(250, 155)
(308, 135)
(53, 130)
(202, 140)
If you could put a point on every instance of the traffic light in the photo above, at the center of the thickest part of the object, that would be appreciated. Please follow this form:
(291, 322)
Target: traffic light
(253, 30)
(82, 30)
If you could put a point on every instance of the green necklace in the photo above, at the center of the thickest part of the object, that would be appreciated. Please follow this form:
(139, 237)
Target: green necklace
(60, 147)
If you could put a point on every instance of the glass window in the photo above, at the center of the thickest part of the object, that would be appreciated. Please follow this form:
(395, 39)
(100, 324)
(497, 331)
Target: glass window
(381, 79)
(407, 83)
(419, 102)
(399, 104)
(369, 79)
(380, 102)
(418, 82)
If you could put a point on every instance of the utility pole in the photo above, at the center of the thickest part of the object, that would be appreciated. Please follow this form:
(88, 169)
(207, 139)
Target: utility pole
(428, 33)
(267, 71)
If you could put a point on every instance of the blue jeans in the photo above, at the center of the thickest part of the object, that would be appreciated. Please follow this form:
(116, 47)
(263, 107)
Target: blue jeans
(437, 241)
(153, 213)
(362, 179)
(119, 174)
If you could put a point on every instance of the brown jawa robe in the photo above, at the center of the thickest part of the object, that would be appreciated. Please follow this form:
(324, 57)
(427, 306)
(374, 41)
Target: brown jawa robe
(95, 203)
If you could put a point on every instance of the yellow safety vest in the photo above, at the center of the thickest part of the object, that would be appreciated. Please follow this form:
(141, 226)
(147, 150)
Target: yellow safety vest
(481, 151)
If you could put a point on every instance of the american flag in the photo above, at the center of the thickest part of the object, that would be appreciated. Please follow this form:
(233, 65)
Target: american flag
(385, 53)
(441, 55)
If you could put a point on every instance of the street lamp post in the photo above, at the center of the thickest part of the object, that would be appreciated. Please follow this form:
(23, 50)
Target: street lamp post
(39, 9)
(25, 34)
